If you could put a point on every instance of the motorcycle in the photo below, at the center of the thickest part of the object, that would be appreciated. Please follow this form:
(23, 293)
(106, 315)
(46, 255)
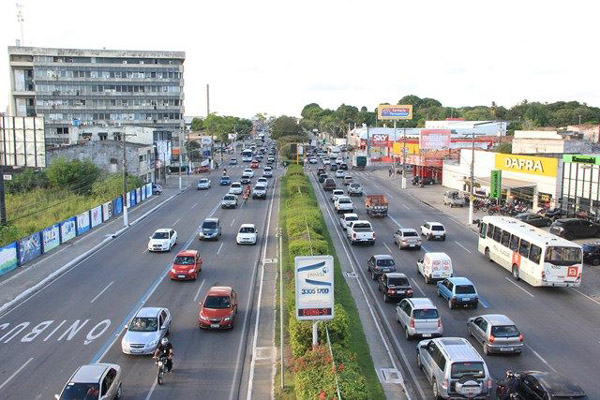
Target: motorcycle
(161, 364)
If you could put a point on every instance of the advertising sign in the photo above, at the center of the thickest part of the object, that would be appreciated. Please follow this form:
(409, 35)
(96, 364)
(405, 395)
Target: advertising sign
(532, 165)
(51, 237)
(106, 211)
(434, 139)
(132, 199)
(391, 112)
(68, 229)
(314, 287)
(96, 216)
(142, 190)
(8, 258)
(138, 195)
(83, 222)
(582, 159)
(496, 184)
(148, 190)
(117, 206)
(379, 140)
(411, 148)
(30, 248)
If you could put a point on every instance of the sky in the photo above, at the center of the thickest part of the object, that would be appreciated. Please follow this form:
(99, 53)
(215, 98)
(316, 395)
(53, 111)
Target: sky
(276, 56)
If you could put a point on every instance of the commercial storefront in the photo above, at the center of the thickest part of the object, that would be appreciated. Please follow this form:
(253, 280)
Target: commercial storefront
(580, 188)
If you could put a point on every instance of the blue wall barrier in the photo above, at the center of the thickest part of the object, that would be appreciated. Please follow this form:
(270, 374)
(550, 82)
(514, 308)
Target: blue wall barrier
(50, 238)
(30, 248)
(8, 258)
(83, 222)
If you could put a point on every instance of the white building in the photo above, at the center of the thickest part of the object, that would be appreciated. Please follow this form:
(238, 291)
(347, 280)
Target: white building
(549, 142)
(459, 127)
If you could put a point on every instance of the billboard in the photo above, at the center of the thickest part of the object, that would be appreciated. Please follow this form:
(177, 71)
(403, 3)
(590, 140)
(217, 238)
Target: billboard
(83, 222)
(148, 190)
(434, 139)
(391, 112)
(106, 211)
(23, 142)
(68, 229)
(117, 206)
(96, 216)
(51, 237)
(542, 166)
(314, 287)
(138, 195)
(496, 184)
(30, 248)
(379, 140)
(8, 258)
(411, 148)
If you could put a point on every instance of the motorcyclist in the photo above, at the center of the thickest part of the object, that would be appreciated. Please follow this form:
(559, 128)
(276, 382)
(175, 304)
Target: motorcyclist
(165, 348)
(507, 389)
(224, 171)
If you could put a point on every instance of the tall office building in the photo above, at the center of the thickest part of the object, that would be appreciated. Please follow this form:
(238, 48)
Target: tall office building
(103, 88)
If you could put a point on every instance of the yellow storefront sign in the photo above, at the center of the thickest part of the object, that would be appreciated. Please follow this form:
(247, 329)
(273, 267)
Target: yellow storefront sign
(411, 148)
(543, 166)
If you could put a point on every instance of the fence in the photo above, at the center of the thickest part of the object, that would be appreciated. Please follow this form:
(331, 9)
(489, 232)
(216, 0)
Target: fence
(25, 250)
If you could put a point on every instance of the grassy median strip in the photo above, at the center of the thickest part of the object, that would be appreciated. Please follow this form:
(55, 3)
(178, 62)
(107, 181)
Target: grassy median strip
(309, 372)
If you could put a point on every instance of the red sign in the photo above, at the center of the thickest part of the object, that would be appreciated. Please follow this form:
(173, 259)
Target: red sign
(379, 140)
(415, 159)
(572, 272)
(434, 139)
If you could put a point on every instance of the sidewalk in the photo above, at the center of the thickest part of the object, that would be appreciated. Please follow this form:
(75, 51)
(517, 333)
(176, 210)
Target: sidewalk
(23, 282)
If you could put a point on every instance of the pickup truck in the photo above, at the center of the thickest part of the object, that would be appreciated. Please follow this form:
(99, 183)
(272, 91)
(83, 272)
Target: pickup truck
(361, 232)
(433, 230)
(376, 205)
(354, 189)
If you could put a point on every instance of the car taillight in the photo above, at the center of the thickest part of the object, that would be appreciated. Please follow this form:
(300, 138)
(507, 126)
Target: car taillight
(491, 339)
(521, 337)
(373, 235)
(412, 323)
(390, 291)
(439, 322)
(445, 384)
(354, 236)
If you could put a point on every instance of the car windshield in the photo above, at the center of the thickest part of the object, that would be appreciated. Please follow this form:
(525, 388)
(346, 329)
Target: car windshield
(425, 313)
(505, 331)
(247, 229)
(228, 198)
(203, 181)
(395, 282)
(184, 260)
(352, 218)
(81, 391)
(465, 289)
(209, 225)
(589, 247)
(361, 226)
(386, 262)
(338, 192)
(409, 234)
(460, 369)
(160, 235)
(142, 324)
(236, 185)
(217, 302)
(225, 178)
(355, 185)
(563, 255)
(437, 228)
(342, 200)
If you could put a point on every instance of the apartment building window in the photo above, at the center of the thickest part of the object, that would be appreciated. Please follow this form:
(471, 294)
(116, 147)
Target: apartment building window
(102, 135)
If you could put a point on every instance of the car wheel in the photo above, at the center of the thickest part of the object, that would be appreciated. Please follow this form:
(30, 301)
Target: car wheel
(436, 393)
(515, 272)
(385, 298)
(469, 331)
(486, 349)
(487, 254)
(407, 335)
(596, 261)
(569, 236)
(443, 238)
(419, 362)
(439, 293)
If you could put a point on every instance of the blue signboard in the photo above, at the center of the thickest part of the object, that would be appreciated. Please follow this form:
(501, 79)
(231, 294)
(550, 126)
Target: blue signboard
(30, 248)
(132, 200)
(8, 258)
(117, 208)
(51, 237)
(68, 229)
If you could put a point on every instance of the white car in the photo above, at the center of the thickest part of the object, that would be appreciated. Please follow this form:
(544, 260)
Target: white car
(247, 234)
(162, 240)
(263, 181)
(312, 160)
(343, 204)
(433, 230)
(249, 172)
(326, 162)
(340, 173)
(268, 172)
(259, 191)
(336, 193)
(235, 188)
(347, 218)
(145, 330)
(203, 183)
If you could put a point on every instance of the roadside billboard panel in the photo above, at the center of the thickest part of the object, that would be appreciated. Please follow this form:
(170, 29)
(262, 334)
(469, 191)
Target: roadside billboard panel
(8, 258)
(379, 140)
(30, 248)
(83, 222)
(314, 287)
(68, 229)
(434, 139)
(51, 237)
(397, 112)
(106, 211)
(96, 216)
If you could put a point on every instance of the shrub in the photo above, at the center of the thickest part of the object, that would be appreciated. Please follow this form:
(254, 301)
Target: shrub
(27, 180)
(301, 331)
(76, 175)
(307, 248)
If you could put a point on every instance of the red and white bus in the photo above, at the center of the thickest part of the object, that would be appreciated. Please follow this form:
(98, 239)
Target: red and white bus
(531, 254)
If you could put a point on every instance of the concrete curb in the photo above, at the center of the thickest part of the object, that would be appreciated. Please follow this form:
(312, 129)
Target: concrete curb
(71, 264)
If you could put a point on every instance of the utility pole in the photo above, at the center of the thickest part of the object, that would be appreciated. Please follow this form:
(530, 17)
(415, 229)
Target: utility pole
(125, 219)
(368, 146)
(404, 159)
(472, 197)
(2, 196)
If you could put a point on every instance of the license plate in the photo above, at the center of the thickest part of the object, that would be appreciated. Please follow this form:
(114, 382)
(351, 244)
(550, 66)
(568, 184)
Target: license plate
(464, 299)
(399, 291)
(506, 349)
(214, 325)
(412, 245)
(426, 335)
(135, 351)
(470, 390)
(181, 276)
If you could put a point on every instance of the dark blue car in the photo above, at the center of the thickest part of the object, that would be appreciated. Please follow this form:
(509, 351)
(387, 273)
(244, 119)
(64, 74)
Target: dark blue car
(225, 181)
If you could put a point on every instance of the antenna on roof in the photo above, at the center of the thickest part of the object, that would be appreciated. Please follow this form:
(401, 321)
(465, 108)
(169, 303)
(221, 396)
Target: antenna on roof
(20, 20)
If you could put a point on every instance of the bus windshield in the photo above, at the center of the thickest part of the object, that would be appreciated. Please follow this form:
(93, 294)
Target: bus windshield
(563, 255)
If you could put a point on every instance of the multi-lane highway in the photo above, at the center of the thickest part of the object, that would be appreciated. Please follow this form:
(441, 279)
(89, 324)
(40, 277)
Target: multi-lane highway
(560, 326)
(80, 317)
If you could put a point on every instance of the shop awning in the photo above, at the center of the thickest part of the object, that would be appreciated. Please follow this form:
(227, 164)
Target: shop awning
(507, 183)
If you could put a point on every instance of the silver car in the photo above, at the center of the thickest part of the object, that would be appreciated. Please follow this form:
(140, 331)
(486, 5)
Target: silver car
(93, 381)
(419, 317)
(145, 330)
(203, 184)
(407, 238)
(497, 333)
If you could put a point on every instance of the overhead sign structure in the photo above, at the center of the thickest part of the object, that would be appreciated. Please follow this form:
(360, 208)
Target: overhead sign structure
(394, 112)
(496, 184)
(314, 287)
(434, 139)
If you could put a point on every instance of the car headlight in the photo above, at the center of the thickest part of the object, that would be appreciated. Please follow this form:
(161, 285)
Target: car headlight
(153, 343)
(203, 318)
(173, 270)
(227, 318)
(191, 271)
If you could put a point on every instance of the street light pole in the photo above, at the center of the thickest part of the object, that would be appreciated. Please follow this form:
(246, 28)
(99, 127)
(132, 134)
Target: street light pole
(404, 160)
(125, 216)
(472, 197)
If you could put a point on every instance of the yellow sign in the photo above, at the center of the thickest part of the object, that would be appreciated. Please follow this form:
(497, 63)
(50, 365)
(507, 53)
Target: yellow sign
(543, 166)
(411, 148)
(391, 112)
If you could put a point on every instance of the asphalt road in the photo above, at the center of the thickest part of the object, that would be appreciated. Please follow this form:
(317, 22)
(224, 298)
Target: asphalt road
(560, 326)
(80, 317)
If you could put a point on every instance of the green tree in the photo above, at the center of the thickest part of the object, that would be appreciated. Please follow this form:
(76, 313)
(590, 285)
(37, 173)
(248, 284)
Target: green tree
(197, 124)
(27, 180)
(504, 148)
(284, 126)
(75, 175)
(111, 186)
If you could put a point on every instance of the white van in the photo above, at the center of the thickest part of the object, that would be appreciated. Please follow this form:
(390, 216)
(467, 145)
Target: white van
(435, 266)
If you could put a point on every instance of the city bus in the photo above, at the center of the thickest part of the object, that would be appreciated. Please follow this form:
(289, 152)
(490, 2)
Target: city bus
(246, 155)
(529, 253)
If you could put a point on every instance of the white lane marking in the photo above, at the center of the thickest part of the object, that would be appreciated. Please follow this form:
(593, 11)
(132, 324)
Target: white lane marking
(519, 286)
(583, 294)
(405, 206)
(255, 338)
(145, 251)
(151, 389)
(15, 373)
(388, 195)
(467, 250)
(419, 287)
(386, 246)
(232, 222)
(541, 358)
(192, 207)
(103, 290)
(205, 194)
(175, 223)
(199, 289)
(220, 247)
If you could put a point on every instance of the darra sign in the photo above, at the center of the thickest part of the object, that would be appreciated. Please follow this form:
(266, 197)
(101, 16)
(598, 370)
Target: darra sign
(543, 166)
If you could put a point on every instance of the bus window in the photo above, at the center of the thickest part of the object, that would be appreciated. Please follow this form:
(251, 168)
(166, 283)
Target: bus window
(524, 249)
(535, 254)
(504, 241)
(563, 255)
(482, 229)
(497, 234)
(490, 231)
(514, 243)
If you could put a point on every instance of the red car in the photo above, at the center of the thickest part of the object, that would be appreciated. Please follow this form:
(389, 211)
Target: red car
(254, 164)
(187, 265)
(202, 170)
(218, 308)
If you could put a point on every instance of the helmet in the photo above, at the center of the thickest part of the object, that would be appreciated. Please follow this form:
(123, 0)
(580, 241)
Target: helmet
(164, 341)
(509, 374)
